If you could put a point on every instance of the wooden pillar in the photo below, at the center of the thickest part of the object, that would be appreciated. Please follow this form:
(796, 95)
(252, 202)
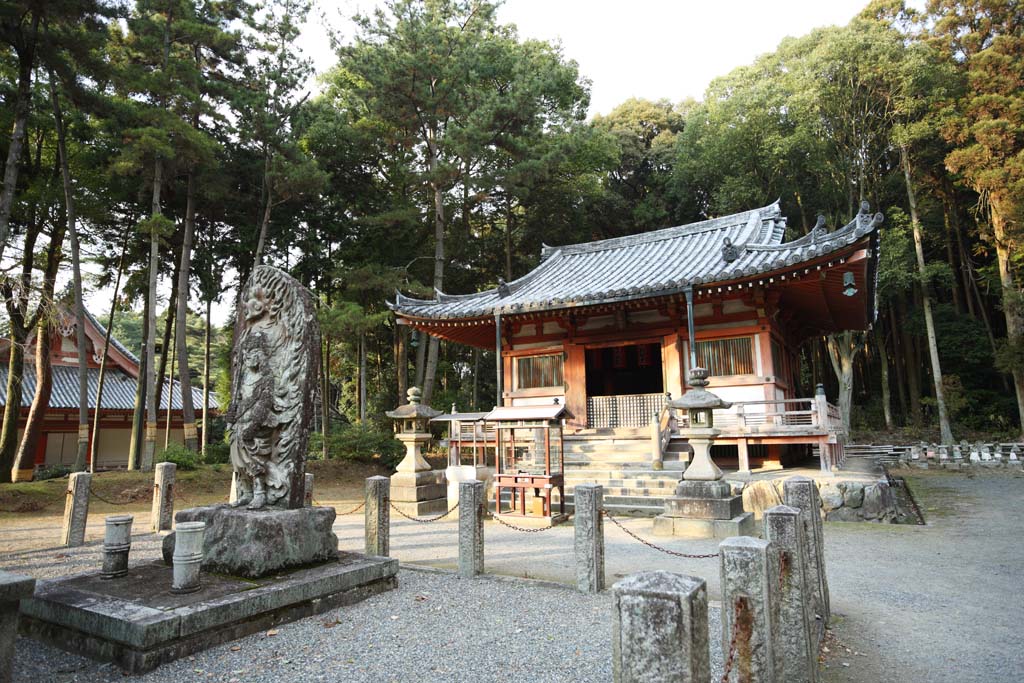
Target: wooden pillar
(575, 377)
(764, 343)
(672, 363)
(39, 459)
(744, 456)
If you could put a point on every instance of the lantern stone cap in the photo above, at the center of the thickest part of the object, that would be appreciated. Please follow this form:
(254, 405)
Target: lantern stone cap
(699, 398)
(413, 409)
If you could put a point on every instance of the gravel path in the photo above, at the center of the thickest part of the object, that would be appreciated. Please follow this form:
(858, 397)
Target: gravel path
(940, 603)
(434, 627)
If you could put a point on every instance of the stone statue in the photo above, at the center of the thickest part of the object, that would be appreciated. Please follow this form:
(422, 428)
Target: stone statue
(273, 388)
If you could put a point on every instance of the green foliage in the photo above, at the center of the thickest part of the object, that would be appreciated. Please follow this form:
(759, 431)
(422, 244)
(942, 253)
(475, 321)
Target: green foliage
(359, 442)
(51, 472)
(217, 453)
(184, 458)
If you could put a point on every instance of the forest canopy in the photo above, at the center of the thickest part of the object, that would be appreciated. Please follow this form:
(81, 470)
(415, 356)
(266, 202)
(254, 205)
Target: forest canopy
(170, 142)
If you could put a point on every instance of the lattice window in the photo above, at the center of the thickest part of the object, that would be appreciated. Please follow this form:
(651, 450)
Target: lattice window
(533, 372)
(726, 356)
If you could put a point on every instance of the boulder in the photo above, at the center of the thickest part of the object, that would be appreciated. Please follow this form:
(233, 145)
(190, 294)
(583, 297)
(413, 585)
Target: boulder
(853, 495)
(758, 496)
(879, 501)
(831, 496)
(844, 514)
(255, 543)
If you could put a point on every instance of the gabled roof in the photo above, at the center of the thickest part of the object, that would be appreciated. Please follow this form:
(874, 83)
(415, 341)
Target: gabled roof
(649, 264)
(118, 390)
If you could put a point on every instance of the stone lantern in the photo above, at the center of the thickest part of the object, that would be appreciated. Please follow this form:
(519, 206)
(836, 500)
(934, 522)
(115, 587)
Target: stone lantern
(700, 404)
(704, 505)
(416, 489)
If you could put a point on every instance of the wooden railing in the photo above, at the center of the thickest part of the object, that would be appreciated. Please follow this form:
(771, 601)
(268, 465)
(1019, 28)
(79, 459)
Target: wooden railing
(781, 416)
(630, 410)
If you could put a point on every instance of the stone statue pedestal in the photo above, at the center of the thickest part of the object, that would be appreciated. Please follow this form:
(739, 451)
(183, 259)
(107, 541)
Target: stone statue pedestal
(416, 489)
(704, 509)
(257, 543)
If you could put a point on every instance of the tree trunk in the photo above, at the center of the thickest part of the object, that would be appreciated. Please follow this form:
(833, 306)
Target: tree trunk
(402, 361)
(476, 379)
(82, 452)
(149, 442)
(842, 351)
(933, 347)
(430, 371)
(911, 365)
(23, 461)
(898, 358)
(265, 219)
(362, 377)
(106, 349)
(206, 380)
(188, 412)
(960, 300)
(170, 394)
(139, 410)
(1011, 298)
(883, 363)
(421, 358)
(22, 103)
(164, 378)
(12, 409)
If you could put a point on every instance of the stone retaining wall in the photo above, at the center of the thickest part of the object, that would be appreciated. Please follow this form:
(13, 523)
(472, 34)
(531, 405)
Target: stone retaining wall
(841, 501)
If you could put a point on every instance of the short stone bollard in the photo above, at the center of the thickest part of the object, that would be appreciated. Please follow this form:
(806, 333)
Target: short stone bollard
(307, 491)
(471, 528)
(13, 589)
(798, 633)
(162, 517)
(589, 537)
(188, 556)
(660, 629)
(117, 543)
(377, 516)
(802, 493)
(750, 610)
(76, 509)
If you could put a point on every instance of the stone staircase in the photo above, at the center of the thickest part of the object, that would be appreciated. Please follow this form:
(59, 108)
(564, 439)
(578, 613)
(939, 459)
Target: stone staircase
(620, 460)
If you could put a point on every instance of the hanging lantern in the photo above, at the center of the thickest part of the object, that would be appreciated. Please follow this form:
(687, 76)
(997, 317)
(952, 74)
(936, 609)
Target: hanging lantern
(414, 340)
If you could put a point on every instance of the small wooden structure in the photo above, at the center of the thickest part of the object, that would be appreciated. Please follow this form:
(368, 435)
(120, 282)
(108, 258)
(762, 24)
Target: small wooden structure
(469, 438)
(530, 458)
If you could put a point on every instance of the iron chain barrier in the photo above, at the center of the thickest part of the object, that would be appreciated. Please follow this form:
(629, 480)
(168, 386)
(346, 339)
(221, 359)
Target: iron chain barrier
(92, 492)
(423, 520)
(647, 543)
(526, 530)
(353, 511)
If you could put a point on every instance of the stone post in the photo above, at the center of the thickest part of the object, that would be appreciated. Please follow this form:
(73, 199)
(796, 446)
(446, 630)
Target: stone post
(589, 537)
(13, 589)
(377, 516)
(798, 630)
(162, 516)
(750, 579)
(656, 454)
(471, 528)
(801, 493)
(76, 509)
(307, 492)
(117, 542)
(188, 556)
(660, 629)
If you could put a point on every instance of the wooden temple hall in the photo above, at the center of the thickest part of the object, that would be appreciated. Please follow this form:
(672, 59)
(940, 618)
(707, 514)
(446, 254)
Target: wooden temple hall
(609, 330)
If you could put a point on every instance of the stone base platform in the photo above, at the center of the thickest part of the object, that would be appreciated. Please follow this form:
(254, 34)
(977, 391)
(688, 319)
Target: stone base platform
(137, 623)
(533, 522)
(419, 493)
(686, 527)
(255, 543)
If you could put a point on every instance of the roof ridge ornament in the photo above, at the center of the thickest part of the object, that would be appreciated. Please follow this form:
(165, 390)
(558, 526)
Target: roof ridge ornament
(503, 289)
(730, 251)
(819, 229)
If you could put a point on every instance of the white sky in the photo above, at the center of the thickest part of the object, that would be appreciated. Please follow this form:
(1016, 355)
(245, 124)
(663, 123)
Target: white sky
(635, 48)
(653, 49)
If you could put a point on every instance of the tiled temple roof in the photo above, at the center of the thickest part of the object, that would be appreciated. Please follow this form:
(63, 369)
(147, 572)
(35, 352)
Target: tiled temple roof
(649, 264)
(118, 390)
